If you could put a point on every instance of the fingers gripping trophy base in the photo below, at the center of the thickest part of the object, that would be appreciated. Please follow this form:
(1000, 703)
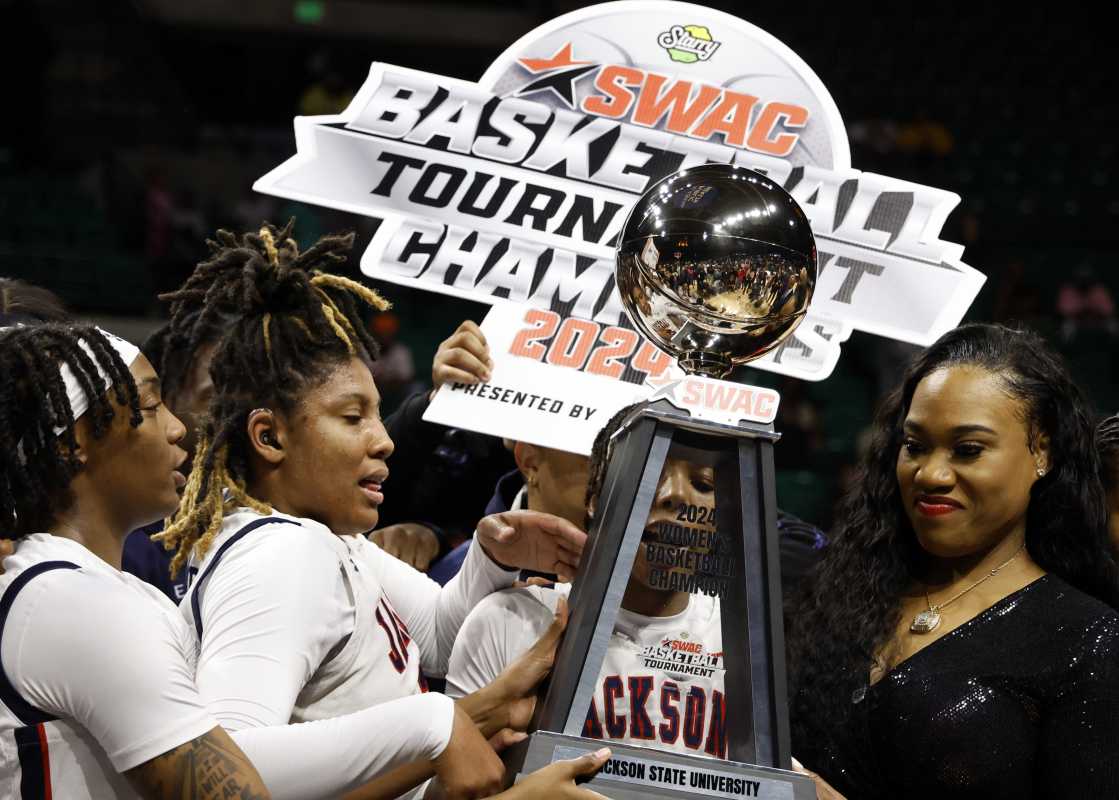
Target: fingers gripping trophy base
(641, 773)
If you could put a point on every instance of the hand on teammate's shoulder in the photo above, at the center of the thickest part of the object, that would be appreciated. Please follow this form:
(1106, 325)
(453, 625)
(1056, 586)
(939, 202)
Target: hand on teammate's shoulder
(532, 540)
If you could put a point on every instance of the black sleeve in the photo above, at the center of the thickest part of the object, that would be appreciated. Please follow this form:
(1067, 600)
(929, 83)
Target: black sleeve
(408, 430)
(438, 476)
(801, 545)
(413, 442)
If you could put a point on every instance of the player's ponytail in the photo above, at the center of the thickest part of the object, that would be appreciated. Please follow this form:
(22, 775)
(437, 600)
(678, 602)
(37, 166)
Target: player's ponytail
(289, 325)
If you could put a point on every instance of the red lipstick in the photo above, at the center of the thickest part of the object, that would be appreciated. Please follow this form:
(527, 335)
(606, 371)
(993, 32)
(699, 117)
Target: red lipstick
(932, 505)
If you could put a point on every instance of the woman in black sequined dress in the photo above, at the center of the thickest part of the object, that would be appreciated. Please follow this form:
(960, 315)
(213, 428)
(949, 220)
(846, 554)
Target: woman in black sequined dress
(959, 639)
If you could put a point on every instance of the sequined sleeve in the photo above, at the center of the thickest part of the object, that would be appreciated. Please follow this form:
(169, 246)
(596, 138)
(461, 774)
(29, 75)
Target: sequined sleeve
(1078, 753)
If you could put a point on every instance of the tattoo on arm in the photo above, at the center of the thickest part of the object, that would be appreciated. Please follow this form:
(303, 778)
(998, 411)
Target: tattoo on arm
(210, 767)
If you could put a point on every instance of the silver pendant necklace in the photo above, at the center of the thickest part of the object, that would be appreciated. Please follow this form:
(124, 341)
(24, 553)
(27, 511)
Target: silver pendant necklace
(929, 620)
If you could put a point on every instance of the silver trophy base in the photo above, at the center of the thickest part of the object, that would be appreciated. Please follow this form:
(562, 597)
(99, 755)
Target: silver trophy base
(640, 773)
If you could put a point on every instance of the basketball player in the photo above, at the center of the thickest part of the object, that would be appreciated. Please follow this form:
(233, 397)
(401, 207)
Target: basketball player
(661, 684)
(96, 697)
(299, 616)
(118, 713)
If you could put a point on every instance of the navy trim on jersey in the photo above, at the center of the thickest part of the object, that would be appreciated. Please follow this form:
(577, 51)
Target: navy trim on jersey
(33, 765)
(27, 713)
(196, 584)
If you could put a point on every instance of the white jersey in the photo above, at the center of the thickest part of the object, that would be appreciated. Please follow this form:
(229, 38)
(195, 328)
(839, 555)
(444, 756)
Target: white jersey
(95, 674)
(298, 624)
(98, 677)
(661, 684)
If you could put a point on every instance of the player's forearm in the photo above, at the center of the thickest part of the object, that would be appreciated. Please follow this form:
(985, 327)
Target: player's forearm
(209, 767)
(329, 757)
(488, 708)
(394, 783)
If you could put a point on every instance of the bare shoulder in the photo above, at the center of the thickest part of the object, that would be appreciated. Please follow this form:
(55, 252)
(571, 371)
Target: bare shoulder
(209, 767)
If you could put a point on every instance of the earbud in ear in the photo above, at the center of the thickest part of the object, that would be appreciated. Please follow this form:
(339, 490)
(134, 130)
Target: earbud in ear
(270, 440)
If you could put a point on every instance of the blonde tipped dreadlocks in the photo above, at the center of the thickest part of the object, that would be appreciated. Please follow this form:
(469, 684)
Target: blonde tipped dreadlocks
(370, 297)
(328, 312)
(269, 246)
(289, 325)
(267, 334)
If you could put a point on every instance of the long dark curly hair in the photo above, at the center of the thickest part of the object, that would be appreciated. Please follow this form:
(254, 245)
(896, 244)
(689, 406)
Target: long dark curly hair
(1107, 442)
(851, 606)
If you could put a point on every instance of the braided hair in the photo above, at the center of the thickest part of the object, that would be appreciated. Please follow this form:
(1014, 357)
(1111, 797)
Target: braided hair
(36, 465)
(287, 326)
(1107, 442)
(601, 452)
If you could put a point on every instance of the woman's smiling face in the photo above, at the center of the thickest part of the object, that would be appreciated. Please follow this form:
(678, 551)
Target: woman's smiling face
(965, 467)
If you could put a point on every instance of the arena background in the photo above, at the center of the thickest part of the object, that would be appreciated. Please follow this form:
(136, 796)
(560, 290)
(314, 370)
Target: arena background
(133, 129)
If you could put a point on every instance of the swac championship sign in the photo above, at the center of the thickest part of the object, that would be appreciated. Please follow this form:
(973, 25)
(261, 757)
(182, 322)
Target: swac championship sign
(515, 187)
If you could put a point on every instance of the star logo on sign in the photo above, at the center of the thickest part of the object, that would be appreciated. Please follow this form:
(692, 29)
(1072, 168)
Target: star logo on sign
(561, 83)
(665, 386)
(561, 58)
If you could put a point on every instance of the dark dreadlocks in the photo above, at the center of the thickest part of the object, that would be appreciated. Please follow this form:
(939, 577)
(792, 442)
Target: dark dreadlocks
(36, 466)
(172, 347)
(287, 327)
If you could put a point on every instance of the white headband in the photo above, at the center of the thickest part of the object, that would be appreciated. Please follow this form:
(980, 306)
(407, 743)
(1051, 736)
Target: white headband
(79, 403)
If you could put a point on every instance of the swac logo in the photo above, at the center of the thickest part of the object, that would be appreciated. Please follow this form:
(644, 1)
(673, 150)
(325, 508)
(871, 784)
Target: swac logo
(514, 187)
(688, 43)
(721, 401)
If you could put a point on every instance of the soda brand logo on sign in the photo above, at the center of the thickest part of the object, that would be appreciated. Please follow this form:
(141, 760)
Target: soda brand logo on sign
(515, 187)
(688, 43)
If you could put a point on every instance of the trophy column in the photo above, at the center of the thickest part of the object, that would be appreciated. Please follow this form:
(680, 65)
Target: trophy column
(747, 582)
(752, 617)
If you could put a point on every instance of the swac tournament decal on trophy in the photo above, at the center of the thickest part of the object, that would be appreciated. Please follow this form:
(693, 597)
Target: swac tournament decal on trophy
(514, 188)
(682, 657)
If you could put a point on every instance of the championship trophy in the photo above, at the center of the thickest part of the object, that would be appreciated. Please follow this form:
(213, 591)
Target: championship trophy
(716, 265)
